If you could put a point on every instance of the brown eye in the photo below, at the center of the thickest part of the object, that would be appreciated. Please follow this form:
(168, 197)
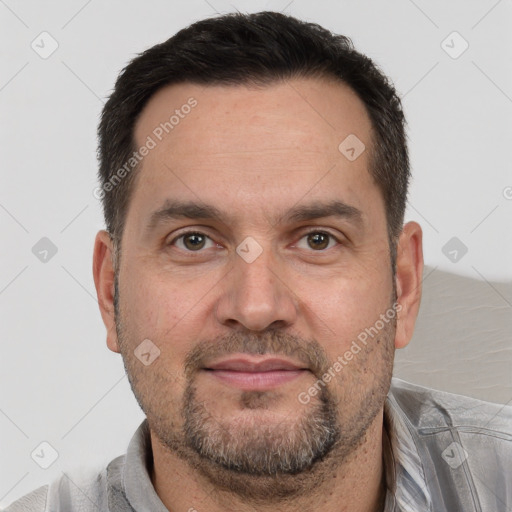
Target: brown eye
(191, 241)
(194, 241)
(318, 240)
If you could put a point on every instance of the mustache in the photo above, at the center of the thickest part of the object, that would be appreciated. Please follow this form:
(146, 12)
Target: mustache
(308, 352)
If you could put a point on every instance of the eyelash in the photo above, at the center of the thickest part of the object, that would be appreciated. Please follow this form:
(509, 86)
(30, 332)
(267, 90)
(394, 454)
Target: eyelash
(315, 231)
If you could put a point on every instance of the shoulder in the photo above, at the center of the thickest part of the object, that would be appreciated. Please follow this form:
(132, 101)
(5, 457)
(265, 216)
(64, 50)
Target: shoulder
(84, 490)
(429, 410)
(461, 446)
(34, 501)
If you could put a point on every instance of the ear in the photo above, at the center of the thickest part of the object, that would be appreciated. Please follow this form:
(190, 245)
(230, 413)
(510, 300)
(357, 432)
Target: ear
(409, 274)
(103, 270)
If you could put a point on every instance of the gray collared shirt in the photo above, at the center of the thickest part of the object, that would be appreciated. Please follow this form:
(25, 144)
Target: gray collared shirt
(442, 453)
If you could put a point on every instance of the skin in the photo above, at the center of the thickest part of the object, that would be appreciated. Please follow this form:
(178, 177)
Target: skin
(256, 153)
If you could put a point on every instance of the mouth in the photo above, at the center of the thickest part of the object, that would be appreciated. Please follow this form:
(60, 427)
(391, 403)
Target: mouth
(255, 372)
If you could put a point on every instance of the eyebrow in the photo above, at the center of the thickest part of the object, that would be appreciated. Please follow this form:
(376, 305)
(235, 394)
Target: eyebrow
(175, 210)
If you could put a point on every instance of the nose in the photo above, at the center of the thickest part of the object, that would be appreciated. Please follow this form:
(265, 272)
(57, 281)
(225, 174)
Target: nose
(257, 296)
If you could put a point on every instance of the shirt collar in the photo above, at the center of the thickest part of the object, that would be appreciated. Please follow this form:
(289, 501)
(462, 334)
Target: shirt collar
(405, 478)
(136, 480)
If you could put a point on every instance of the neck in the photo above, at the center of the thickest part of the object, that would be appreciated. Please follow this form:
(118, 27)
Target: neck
(355, 483)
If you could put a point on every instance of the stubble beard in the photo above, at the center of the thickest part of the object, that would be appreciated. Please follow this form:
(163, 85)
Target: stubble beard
(257, 461)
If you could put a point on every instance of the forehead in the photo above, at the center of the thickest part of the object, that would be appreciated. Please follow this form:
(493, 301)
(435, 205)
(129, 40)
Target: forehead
(314, 111)
(268, 146)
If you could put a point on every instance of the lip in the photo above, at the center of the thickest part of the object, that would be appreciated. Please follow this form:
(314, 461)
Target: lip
(255, 364)
(255, 372)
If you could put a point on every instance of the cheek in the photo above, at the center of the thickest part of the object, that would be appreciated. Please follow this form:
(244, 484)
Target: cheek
(148, 305)
(163, 309)
(346, 307)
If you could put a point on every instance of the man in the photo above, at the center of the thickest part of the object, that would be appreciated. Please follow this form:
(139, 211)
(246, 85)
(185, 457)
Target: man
(256, 277)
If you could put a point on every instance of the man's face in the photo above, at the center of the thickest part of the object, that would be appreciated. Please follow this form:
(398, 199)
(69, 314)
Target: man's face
(251, 309)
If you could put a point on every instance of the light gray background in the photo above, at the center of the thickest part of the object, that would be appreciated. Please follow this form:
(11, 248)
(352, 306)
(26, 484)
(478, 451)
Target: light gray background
(59, 382)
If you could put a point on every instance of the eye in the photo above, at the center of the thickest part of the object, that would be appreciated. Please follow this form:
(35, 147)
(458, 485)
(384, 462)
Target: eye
(195, 241)
(191, 241)
(318, 240)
